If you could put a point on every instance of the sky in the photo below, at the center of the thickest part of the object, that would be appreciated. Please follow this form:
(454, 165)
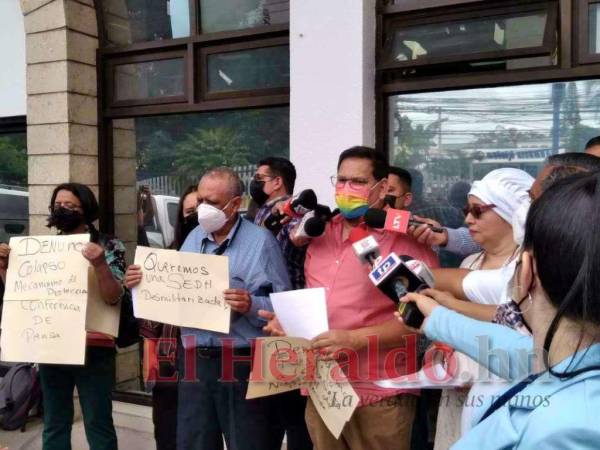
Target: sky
(468, 113)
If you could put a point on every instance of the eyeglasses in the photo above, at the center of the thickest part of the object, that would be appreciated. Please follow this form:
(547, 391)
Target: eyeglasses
(355, 183)
(67, 205)
(477, 210)
(261, 177)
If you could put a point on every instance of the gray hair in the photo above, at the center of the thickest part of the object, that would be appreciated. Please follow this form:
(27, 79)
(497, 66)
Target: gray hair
(236, 187)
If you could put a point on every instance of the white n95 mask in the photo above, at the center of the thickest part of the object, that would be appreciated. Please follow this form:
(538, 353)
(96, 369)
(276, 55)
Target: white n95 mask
(210, 218)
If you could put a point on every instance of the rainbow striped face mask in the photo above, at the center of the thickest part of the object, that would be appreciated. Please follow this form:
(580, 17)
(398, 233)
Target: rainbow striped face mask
(353, 203)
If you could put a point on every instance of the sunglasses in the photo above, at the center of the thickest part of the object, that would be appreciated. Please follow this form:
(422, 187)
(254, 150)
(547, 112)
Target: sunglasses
(477, 210)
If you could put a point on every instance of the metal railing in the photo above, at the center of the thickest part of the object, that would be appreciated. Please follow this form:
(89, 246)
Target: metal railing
(175, 185)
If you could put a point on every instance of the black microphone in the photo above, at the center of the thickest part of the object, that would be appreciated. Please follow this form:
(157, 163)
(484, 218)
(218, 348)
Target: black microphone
(314, 227)
(324, 212)
(311, 225)
(377, 218)
(273, 223)
(301, 203)
(410, 313)
(296, 206)
(396, 276)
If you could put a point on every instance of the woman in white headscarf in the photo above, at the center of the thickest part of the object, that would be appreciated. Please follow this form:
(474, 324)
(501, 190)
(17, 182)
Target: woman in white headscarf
(497, 207)
(495, 216)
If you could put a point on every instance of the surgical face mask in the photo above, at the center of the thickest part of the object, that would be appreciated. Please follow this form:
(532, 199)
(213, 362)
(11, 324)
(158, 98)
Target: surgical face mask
(211, 218)
(510, 315)
(65, 220)
(390, 200)
(353, 202)
(257, 192)
(189, 223)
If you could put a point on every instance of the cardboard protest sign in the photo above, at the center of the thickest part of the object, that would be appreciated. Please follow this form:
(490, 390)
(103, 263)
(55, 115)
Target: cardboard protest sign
(264, 389)
(51, 332)
(184, 289)
(45, 302)
(282, 364)
(333, 396)
(47, 268)
(100, 316)
(284, 360)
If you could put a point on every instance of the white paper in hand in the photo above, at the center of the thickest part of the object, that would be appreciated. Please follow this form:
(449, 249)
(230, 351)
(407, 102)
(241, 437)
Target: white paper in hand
(432, 377)
(301, 313)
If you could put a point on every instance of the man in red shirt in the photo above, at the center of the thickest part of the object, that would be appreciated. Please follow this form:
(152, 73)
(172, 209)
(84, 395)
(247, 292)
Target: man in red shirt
(361, 318)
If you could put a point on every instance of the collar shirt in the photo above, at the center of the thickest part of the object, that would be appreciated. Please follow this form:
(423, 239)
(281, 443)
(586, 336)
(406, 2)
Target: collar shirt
(549, 413)
(255, 264)
(354, 302)
(294, 256)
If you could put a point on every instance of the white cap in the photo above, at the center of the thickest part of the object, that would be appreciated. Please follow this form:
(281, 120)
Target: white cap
(508, 189)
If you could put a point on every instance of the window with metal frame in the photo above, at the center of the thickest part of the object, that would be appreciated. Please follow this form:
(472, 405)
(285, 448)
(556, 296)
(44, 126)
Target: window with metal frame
(475, 36)
(588, 23)
(162, 67)
(184, 85)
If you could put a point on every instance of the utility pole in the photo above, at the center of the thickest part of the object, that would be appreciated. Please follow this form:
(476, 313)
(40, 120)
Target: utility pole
(439, 110)
(558, 93)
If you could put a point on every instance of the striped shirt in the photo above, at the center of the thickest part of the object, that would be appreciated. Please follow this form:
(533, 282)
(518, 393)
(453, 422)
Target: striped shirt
(255, 264)
(461, 242)
(294, 256)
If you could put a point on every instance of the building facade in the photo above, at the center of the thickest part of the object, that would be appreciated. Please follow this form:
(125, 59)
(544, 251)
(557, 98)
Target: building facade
(127, 94)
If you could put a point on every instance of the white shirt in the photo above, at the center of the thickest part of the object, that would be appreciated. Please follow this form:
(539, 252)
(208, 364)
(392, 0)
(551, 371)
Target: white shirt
(488, 287)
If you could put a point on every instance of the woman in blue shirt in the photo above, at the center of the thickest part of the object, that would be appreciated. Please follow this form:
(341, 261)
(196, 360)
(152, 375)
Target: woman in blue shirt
(555, 404)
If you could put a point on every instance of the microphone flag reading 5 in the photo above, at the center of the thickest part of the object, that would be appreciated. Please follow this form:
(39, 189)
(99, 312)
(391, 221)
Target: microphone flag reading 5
(397, 220)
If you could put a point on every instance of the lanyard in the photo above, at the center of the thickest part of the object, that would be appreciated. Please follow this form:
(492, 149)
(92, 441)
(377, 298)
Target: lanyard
(225, 244)
(504, 398)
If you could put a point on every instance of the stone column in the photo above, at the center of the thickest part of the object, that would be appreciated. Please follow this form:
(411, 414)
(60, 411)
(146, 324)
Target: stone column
(332, 99)
(62, 119)
(124, 170)
(62, 135)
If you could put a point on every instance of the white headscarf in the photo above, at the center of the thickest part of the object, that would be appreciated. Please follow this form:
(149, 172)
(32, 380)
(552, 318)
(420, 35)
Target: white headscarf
(508, 189)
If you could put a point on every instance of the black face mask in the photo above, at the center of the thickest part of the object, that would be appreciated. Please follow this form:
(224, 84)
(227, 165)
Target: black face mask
(65, 220)
(390, 200)
(189, 223)
(257, 192)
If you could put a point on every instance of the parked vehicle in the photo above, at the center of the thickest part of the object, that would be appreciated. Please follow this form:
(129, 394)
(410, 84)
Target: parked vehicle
(161, 229)
(14, 212)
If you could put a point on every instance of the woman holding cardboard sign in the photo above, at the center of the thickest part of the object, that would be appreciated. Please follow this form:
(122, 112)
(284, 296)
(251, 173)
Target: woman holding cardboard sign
(73, 209)
(162, 340)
